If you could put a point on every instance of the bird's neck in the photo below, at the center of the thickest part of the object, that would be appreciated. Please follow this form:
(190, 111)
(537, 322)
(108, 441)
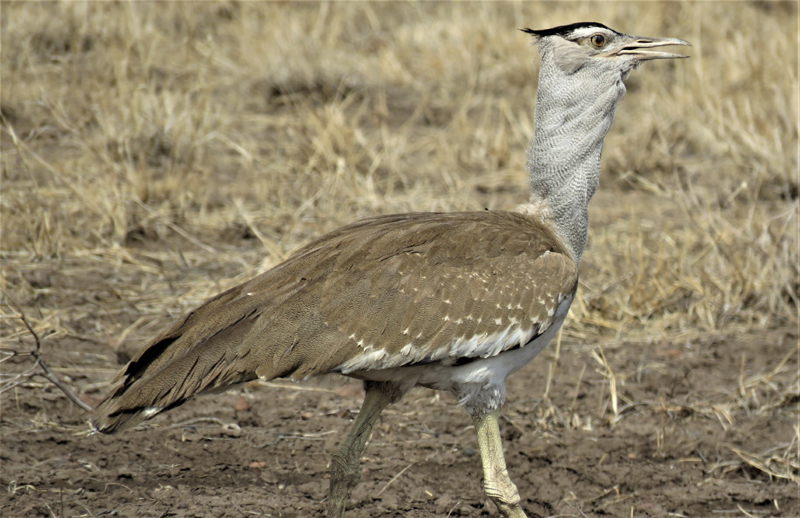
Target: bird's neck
(574, 110)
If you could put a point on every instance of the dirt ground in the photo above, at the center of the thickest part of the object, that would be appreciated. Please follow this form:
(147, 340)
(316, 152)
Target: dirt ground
(154, 154)
(265, 450)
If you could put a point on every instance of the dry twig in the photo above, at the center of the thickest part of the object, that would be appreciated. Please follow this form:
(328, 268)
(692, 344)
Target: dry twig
(36, 354)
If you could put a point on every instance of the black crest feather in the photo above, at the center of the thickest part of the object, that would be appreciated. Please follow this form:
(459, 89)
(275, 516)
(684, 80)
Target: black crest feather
(563, 30)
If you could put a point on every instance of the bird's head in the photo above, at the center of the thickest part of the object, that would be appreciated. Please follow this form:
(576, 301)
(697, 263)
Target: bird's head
(581, 80)
(593, 46)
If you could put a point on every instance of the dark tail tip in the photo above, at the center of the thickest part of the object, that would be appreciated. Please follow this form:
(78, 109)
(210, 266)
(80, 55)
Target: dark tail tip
(109, 418)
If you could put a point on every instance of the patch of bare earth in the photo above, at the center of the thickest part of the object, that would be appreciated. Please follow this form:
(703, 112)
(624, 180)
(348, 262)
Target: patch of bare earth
(672, 450)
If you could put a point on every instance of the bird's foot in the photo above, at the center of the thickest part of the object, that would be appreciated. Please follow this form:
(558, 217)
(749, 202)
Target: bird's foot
(505, 495)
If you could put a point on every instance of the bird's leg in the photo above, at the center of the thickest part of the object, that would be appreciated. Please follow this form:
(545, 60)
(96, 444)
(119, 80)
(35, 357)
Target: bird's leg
(345, 469)
(496, 483)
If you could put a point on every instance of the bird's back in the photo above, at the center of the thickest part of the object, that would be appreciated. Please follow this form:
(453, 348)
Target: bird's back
(382, 293)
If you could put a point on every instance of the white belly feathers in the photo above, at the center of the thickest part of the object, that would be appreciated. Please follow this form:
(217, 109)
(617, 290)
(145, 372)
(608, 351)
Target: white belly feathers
(479, 384)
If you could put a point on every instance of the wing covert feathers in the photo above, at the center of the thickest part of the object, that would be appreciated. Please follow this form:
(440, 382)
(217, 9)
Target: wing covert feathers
(384, 292)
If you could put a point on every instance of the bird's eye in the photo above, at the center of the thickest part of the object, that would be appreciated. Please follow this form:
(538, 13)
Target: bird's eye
(598, 40)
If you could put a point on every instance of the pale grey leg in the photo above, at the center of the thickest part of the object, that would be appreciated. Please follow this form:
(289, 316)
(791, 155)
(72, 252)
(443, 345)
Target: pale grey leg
(496, 483)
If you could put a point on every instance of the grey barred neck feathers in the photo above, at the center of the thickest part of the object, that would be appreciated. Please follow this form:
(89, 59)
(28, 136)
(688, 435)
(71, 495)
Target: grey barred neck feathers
(580, 83)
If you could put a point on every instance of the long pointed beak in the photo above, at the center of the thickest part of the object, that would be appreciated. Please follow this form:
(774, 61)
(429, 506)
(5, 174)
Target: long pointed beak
(639, 46)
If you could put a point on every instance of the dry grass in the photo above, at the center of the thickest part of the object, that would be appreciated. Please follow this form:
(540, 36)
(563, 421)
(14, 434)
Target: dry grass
(158, 154)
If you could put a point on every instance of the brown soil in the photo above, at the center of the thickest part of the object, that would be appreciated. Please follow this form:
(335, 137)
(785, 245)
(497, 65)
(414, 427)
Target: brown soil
(265, 451)
(153, 154)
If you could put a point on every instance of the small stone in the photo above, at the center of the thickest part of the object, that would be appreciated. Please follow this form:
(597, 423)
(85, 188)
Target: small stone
(349, 391)
(444, 501)
(241, 404)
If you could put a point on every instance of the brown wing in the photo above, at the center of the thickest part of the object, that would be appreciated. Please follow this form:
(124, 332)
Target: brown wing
(384, 292)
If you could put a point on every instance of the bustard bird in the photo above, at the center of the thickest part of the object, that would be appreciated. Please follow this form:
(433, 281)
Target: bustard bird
(453, 301)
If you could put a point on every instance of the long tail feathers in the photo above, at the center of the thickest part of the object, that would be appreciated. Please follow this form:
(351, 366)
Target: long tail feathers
(142, 396)
(201, 353)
